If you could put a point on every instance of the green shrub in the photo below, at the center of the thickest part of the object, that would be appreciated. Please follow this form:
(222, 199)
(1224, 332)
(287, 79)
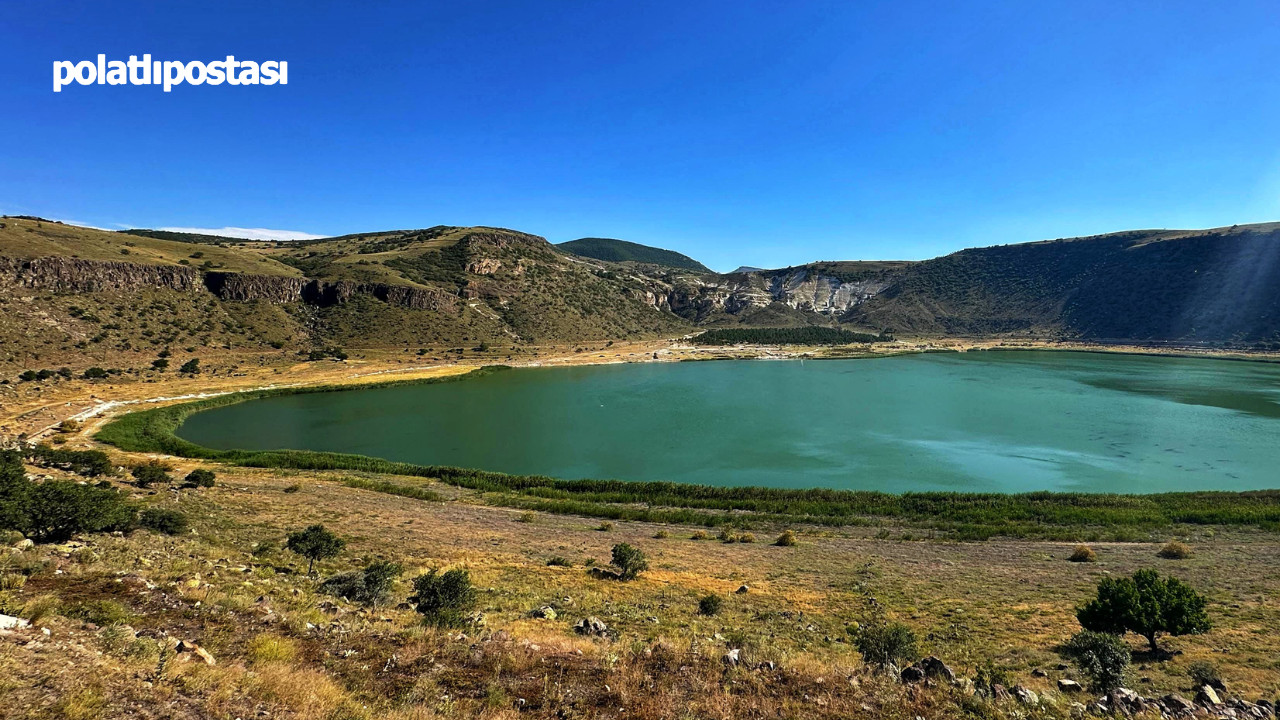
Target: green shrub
(95, 373)
(191, 366)
(149, 473)
(88, 463)
(1203, 672)
(661, 535)
(199, 478)
(1102, 658)
(370, 586)
(727, 536)
(710, 604)
(1147, 605)
(296, 487)
(605, 526)
(787, 539)
(700, 535)
(56, 510)
(527, 517)
(630, 561)
(315, 543)
(558, 561)
(444, 598)
(885, 644)
(163, 520)
(747, 538)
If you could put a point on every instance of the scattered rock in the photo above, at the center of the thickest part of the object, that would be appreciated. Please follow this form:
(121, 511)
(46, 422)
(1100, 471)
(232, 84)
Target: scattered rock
(1039, 673)
(406, 606)
(9, 622)
(24, 544)
(591, 626)
(1070, 686)
(546, 612)
(1024, 695)
(1207, 696)
(478, 620)
(732, 657)
(742, 590)
(187, 650)
(1175, 703)
(911, 675)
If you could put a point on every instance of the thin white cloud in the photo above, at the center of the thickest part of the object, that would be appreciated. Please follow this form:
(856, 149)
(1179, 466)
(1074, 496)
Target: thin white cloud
(247, 233)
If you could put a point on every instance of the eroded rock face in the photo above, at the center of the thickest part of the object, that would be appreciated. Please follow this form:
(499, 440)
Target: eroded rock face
(72, 275)
(799, 289)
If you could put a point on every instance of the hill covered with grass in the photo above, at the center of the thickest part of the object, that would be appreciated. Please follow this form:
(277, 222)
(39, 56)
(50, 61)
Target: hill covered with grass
(618, 251)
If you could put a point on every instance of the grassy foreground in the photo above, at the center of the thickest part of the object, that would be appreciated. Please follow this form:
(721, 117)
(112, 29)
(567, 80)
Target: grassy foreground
(961, 516)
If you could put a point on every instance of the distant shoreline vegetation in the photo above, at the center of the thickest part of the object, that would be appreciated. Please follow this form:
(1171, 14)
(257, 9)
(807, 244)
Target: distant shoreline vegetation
(957, 516)
(787, 336)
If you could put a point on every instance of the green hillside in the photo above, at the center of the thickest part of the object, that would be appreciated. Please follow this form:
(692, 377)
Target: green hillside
(611, 250)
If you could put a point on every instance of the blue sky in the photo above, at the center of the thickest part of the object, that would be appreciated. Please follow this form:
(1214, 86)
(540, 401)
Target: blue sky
(759, 133)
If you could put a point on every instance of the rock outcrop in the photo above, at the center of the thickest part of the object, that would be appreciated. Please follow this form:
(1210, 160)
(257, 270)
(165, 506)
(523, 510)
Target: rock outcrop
(72, 275)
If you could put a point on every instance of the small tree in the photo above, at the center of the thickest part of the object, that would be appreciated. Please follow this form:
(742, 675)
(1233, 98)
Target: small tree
(53, 511)
(1102, 657)
(315, 543)
(161, 364)
(630, 561)
(443, 598)
(1147, 605)
(885, 644)
(95, 373)
(199, 478)
(191, 366)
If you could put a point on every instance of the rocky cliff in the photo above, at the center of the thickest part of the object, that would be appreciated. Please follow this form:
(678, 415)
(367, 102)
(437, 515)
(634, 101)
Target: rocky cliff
(71, 275)
(805, 289)
(68, 275)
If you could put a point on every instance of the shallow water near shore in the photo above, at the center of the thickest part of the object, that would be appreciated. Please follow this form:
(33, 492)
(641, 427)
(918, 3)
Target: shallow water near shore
(971, 422)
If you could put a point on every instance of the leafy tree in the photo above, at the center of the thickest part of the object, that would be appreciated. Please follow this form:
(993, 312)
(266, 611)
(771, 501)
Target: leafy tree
(95, 373)
(884, 644)
(443, 598)
(315, 543)
(89, 463)
(629, 560)
(160, 364)
(1102, 657)
(169, 522)
(199, 478)
(56, 510)
(191, 366)
(1147, 605)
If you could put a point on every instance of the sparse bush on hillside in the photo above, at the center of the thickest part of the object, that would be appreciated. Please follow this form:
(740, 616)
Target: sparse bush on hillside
(883, 644)
(661, 535)
(1083, 553)
(199, 478)
(370, 586)
(605, 526)
(150, 473)
(700, 535)
(163, 520)
(444, 598)
(191, 367)
(527, 517)
(710, 604)
(1174, 550)
(559, 561)
(315, 543)
(787, 539)
(630, 561)
(1102, 657)
(1203, 672)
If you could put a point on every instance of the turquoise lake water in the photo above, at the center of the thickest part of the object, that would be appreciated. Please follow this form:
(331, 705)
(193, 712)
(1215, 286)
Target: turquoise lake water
(980, 421)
